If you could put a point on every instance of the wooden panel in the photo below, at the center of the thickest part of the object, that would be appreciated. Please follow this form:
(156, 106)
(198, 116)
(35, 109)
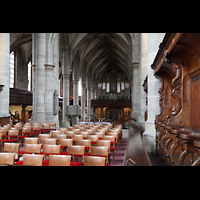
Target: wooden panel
(195, 103)
(4, 121)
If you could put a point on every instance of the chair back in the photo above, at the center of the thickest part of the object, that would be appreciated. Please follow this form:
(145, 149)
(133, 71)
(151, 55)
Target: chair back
(93, 161)
(49, 141)
(77, 137)
(32, 160)
(54, 133)
(99, 151)
(30, 140)
(49, 148)
(59, 160)
(7, 159)
(11, 147)
(33, 148)
(76, 150)
(66, 142)
(86, 143)
(76, 131)
(43, 136)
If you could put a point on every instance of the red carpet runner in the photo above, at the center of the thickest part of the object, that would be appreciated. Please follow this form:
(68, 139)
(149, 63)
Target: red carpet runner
(120, 154)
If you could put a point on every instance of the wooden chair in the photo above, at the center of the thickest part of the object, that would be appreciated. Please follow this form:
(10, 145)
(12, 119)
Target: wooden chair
(37, 124)
(7, 159)
(25, 132)
(93, 161)
(77, 137)
(105, 143)
(93, 138)
(32, 160)
(85, 134)
(59, 160)
(52, 126)
(49, 150)
(64, 143)
(76, 131)
(100, 135)
(87, 144)
(13, 136)
(1, 133)
(49, 141)
(100, 151)
(12, 148)
(112, 142)
(52, 141)
(69, 128)
(45, 128)
(54, 133)
(58, 137)
(30, 149)
(76, 152)
(28, 141)
(42, 137)
(69, 134)
(63, 130)
(116, 139)
(36, 130)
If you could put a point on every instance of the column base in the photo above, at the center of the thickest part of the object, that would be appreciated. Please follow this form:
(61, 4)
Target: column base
(148, 137)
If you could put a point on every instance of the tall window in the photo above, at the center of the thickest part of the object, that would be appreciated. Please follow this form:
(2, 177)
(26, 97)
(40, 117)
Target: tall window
(12, 69)
(29, 76)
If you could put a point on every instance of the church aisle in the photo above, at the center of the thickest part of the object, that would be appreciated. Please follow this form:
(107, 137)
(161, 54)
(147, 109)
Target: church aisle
(121, 150)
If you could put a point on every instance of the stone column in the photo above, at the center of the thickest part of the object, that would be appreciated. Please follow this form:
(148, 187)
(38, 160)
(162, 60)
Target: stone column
(83, 103)
(88, 103)
(49, 93)
(75, 93)
(143, 72)
(4, 74)
(66, 84)
(38, 60)
(154, 40)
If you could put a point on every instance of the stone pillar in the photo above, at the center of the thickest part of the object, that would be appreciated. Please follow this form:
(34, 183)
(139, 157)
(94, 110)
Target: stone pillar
(38, 61)
(83, 103)
(4, 74)
(88, 103)
(154, 40)
(66, 84)
(75, 93)
(136, 93)
(143, 72)
(49, 93)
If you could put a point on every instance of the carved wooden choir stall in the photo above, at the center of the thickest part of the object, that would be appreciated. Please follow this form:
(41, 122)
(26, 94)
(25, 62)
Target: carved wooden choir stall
(177, 64)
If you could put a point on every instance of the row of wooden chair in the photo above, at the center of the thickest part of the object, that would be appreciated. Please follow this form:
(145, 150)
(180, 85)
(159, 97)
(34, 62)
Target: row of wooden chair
(54, 160)
(73, 151)
(91, 130)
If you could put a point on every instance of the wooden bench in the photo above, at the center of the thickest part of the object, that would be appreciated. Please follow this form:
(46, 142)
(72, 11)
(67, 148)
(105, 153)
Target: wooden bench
(136, 154)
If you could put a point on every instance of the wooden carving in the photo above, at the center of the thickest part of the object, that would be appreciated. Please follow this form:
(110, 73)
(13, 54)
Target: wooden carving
(176, 87)
(160, 91)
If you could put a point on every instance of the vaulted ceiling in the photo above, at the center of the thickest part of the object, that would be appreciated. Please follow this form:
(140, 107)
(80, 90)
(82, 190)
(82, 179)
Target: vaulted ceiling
(97, 51)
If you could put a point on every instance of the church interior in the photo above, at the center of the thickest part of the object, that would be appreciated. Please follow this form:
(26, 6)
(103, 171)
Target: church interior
(99, 99)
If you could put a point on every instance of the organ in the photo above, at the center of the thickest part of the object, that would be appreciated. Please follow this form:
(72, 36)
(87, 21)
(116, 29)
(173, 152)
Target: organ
(177, 64)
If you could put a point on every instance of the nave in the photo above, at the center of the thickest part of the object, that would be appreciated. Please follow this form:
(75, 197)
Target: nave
(80, 145)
